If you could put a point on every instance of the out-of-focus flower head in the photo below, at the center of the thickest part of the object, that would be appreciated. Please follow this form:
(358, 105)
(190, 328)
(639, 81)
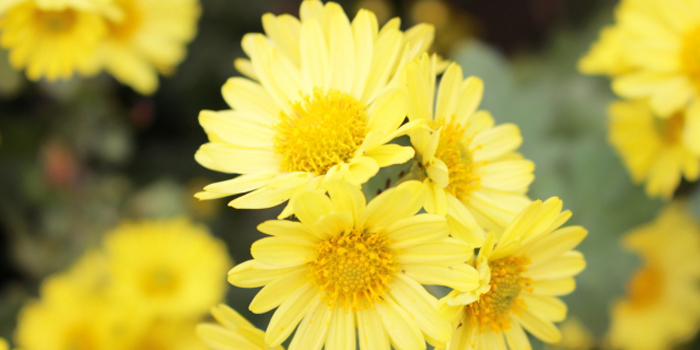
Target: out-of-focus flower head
(662, 306)
(657, 151)
(170, 267)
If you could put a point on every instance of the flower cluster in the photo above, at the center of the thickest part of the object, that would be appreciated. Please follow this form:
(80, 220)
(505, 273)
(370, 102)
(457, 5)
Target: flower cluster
(652, 54)
(315, 119)
(140, 291)
(133, 40)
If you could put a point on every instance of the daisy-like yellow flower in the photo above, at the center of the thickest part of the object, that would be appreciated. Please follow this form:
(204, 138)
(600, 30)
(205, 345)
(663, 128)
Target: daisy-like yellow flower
(150, 37)
(52, 39)
(654, 149)
(521, 277)
(661, 48)
(171, 267)
(320, 101)
(351, 266)
(662, 306)
(72, 312)
(470, 168)
(233, 332)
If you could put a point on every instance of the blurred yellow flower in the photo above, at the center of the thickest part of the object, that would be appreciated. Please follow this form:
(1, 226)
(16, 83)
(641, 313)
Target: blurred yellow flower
(233, 332)
(574, 336)
(658, 41)
(655, 150)
(163, 334)
(150, 37)
(3, 344)
(70, 315)
(349, 265)
(52, 39)
(520, 279)
(169, 267)
(662, 306)
(321, 101)
(469, 167)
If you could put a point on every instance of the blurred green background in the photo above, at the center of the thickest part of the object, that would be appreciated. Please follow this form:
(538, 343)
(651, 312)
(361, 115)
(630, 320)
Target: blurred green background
(77, 157)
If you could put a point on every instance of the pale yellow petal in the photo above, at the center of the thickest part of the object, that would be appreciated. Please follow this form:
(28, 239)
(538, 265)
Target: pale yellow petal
(278, 290)
(311, 334)
(282, 251)
(422, 306)
(403, 331)
(341, 333)
(290, 313)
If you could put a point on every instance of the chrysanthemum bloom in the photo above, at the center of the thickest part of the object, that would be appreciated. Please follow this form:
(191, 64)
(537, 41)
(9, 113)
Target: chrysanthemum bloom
(149, 38)
(521, 277)
(349, 266)
(172, 267)
(662, 306)
(72, 312)
(654, 150)
(320, 101)
(661, 47)
(52, 39)
(233, 332)
(470, 168)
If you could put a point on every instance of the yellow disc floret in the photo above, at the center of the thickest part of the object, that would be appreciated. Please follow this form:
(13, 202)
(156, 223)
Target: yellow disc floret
(128, 26)
(323, 130)
(453, 152)
(690, 56)
(645, 287)
(354, 268)
(671, 129)
(491, 311)
(55, 22)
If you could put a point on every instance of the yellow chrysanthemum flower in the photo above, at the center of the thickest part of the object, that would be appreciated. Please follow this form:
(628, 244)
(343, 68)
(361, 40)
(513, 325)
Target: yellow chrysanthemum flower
(654, 150)
(662, 306)
(661, 48)
(149, 38)
(574, 336)
(521, 277)
(472, 172)
(349, 266)
(52, 39)
(72, 313)
(233, 332)
(170, 267)
(165, 334)
(320, 101)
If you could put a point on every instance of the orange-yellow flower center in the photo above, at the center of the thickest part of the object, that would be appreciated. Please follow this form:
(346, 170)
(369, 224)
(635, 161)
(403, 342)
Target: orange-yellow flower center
(354, 268)
(690, 56)
(645, 287)
(671, 129)
(81, 337)
(323, 130)
(55, 22)
(124, 30)
(452, 150)
(159, 282)
(492, 310)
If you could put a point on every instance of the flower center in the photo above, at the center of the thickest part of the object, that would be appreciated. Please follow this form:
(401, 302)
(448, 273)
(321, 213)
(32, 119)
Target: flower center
(452, 151)
(55, 22)
(80, 338)
(125, 29)
(491, 311)
(160, 282)
(353, 268)
(645, 287)
(323, 130)
(690, 56)
(671, 129)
